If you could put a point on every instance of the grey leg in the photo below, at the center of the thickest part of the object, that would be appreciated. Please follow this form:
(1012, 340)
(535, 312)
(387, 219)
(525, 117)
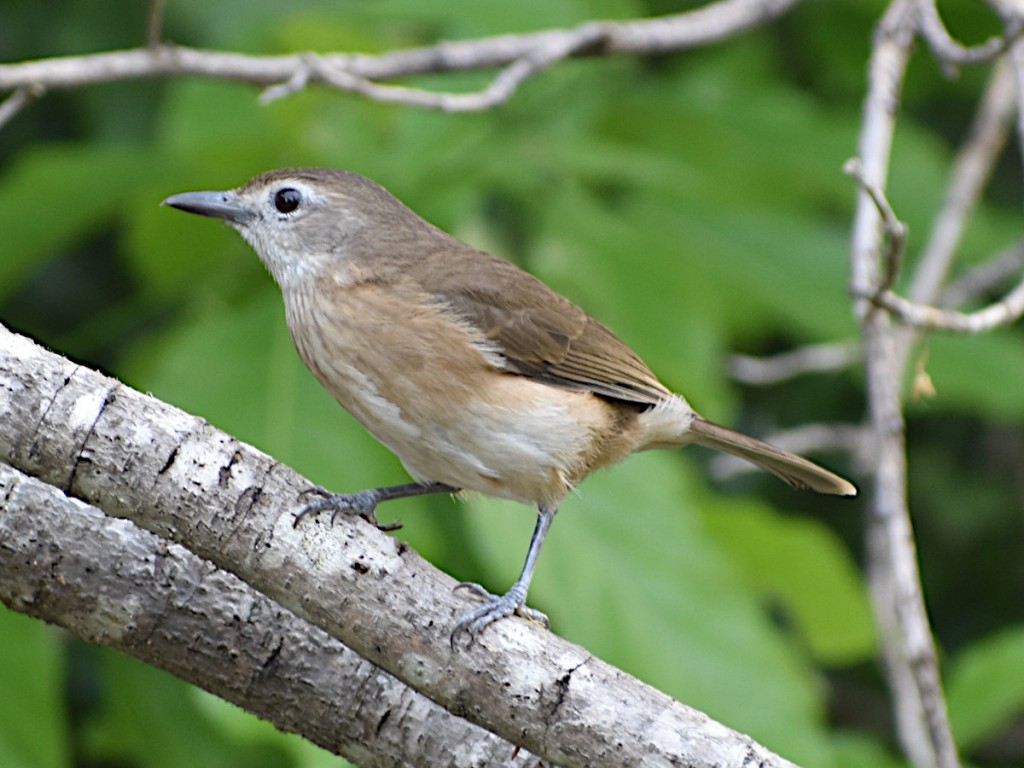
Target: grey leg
(364, 503)
(514, 601)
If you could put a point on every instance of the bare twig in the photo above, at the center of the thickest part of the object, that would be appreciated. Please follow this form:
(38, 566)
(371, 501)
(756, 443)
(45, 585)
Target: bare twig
(971, 172)
(1003, 312)
(907, 643)
(984, 278)
(154, 24)
(812, 358)
(1017, 60)
(894, 229)
(501, 89)
(520, 55)
(952, 53)
(17, 101)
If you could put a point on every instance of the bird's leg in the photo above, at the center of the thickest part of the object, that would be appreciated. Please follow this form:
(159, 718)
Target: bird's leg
(364, 503)
(514, 601)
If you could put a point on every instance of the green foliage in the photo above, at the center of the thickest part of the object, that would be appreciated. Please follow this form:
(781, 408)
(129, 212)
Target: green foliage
(695, 203)
(986, 687)
(33, 732)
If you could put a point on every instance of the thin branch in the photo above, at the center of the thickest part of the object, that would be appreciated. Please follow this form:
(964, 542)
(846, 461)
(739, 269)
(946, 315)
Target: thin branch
(1017, 59)
(17, 101)
(520, 55)
(1007, 310)
(952, 53)
(812, 358)
(807, 439)
(112, 583)
(907, 643)
(894, 229)
(154, 24)
(972, 169)
(984, 278)
(501, 89)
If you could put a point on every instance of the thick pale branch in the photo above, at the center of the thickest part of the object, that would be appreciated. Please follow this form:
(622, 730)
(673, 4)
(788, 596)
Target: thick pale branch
(520, 55)
(114, 584)
(176, 476)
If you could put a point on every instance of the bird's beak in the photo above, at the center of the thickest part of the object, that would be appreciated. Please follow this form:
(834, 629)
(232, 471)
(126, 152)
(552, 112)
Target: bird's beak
(217, 205)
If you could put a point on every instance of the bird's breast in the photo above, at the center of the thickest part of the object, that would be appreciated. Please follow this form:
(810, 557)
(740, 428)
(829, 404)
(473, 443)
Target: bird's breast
(429, 387)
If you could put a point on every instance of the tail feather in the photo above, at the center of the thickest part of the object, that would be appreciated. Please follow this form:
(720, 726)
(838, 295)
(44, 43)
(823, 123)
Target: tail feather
(795, 470)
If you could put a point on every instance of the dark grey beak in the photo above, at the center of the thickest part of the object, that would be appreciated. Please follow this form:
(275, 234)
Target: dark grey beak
(217, 205)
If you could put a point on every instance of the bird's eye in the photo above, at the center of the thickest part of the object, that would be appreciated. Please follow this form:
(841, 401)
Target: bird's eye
(287, 200)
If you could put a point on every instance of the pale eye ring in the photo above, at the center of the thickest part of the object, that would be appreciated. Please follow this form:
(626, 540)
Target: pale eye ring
(287, 200)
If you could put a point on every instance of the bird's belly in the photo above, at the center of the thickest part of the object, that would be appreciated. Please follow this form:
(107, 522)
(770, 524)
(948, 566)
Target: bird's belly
(430, 388)
(517, 439)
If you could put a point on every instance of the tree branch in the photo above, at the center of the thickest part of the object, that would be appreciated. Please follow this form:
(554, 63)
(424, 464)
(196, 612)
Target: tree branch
(112, 583)
(812, 358)
(519, 57)
(950, 52)
(984, 278)
(179, 478)
(17, 101)
(1007, 310)
(972, 169)
(907, 643)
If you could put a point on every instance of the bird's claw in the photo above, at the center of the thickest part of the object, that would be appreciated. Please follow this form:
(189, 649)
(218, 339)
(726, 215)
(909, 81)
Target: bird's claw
(363, 504)
(495, 607)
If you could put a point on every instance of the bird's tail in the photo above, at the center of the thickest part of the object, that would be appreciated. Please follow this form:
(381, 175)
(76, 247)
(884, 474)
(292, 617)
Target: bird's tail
(795, 470)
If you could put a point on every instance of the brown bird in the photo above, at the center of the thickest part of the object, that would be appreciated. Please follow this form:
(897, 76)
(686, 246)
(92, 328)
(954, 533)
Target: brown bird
(476, 374)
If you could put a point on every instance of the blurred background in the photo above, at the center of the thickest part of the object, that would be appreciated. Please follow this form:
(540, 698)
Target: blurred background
(695, 203)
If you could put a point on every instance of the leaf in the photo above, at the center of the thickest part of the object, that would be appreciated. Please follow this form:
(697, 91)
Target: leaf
(981, 374)
(802, 566)
(985, 691)
(33, 726)
(147, 717)
(81, 186)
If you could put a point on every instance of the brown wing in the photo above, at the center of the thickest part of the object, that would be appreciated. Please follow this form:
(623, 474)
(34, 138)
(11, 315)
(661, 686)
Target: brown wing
(540, 333)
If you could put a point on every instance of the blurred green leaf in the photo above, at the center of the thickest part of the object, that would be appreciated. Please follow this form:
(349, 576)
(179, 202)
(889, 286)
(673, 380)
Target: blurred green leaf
(800, 564)
(149, 718)
(33, 725)
(82, 187)
(981, 374)
(985, 691)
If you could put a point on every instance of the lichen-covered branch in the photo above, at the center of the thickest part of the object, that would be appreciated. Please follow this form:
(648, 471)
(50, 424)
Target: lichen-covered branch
(174, 475)
(112, 583)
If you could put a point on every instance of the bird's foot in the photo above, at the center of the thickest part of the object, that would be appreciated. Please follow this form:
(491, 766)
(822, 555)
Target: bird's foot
(363, 504)
(495, 607)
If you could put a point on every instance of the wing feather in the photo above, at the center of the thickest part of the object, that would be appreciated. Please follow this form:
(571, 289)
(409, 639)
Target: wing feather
(538, 332)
